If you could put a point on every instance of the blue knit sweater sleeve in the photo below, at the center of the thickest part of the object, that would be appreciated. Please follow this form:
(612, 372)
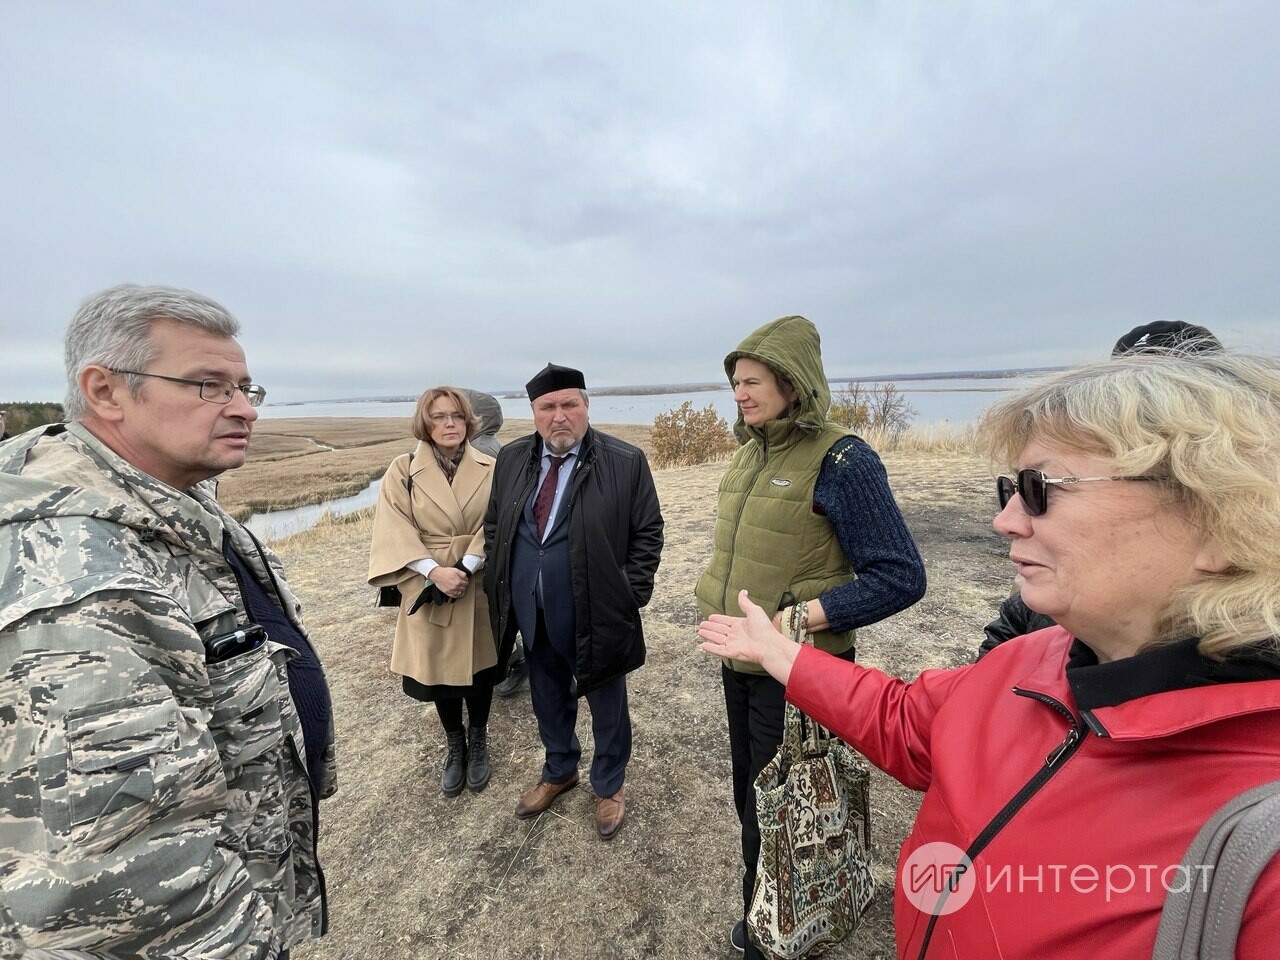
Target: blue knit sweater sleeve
(853, 491)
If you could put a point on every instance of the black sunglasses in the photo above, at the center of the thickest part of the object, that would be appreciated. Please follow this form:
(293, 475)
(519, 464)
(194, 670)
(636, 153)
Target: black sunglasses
(1033, 487)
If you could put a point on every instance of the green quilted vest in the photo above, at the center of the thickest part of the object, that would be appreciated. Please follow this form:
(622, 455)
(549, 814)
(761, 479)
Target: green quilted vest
(767, 538)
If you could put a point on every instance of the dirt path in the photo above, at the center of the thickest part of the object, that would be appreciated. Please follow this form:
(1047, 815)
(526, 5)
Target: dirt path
(412, 874)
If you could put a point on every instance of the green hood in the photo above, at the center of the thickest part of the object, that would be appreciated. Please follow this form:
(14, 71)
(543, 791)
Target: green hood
(790, 346)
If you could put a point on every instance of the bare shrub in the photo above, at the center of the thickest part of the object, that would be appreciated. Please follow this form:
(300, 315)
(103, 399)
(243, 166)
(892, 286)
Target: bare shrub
(876, 407)
(850, 407)
(685, 436)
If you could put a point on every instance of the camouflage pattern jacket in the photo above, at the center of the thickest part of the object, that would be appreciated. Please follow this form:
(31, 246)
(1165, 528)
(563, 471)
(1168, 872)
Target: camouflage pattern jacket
(151, 804)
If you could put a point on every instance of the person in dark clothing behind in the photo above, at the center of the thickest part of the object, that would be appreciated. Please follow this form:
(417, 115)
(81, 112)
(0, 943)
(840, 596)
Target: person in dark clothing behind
(489, 412)
(1171, 338)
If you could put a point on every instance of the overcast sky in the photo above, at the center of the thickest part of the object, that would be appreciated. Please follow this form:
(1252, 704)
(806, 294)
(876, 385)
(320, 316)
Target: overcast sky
(391, 195)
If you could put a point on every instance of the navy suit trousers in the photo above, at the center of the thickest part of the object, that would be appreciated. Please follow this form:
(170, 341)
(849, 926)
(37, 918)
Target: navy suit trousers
(554, 692)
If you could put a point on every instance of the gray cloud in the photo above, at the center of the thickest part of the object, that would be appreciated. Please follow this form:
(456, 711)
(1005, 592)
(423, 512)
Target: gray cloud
(410, 193)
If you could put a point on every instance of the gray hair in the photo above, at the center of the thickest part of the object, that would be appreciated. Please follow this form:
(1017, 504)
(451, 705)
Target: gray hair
(113, 329)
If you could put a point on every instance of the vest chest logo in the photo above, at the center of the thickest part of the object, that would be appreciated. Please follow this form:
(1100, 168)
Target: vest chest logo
(780, 482)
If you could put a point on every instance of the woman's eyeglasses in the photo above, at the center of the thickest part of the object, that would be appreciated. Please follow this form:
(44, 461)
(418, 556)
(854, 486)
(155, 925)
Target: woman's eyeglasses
(442, 418)
(1033, 487)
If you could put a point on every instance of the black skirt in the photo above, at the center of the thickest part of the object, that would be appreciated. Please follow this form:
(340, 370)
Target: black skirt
(481, 683)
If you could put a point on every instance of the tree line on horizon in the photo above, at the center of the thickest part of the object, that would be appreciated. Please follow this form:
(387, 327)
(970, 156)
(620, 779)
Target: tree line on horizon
(22, 416)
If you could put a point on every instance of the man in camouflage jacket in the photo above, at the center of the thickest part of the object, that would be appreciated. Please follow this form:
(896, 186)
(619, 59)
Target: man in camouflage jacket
(155, 795)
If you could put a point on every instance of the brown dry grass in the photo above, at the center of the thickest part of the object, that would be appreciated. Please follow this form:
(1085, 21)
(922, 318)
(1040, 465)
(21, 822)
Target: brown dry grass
(415, 875)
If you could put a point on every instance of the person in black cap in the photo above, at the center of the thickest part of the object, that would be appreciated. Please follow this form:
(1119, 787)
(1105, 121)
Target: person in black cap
(1161, 338)
(573, 537)
(1168, 337)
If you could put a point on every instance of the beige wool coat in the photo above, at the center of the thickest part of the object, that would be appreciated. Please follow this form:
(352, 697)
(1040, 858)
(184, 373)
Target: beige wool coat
(451, 642)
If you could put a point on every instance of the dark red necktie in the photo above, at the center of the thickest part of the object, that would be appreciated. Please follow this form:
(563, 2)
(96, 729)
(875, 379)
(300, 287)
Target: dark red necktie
(546, 494)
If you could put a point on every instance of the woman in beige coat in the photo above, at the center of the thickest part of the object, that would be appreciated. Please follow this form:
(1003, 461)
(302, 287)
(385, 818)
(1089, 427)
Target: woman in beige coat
(428, 540)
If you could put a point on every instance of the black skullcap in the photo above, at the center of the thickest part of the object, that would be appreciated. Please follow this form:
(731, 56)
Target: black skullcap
(554, 377)
(1174, 335)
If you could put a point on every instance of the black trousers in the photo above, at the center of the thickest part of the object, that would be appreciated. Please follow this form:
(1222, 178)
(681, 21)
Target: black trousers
(754, 704)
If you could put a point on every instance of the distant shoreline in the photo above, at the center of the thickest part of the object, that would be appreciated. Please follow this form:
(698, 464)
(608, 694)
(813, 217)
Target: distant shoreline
(661, 389)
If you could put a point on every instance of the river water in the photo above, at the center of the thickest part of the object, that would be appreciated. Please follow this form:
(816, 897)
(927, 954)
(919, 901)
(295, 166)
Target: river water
(278, 524)
(935, 401)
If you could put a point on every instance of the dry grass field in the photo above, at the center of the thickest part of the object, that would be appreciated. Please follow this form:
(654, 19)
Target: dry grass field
(313, 459)
(412, 874)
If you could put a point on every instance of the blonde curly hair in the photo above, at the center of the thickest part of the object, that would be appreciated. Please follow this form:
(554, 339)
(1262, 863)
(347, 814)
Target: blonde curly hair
(1208, 425)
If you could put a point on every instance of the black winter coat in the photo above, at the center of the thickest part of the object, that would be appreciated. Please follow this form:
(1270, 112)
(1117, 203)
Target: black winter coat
(1016, 619)
(615, 544)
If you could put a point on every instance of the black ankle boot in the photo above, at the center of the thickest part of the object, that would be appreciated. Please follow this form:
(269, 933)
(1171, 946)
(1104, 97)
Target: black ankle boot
(477, 759)
(454, 764)
(517, 673)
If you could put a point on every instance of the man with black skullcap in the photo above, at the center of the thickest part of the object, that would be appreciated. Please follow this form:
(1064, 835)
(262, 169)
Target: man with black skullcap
(573, 536)
(1170, 338)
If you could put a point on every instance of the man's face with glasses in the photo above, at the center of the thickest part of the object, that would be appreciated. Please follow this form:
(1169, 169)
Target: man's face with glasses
(194, 413)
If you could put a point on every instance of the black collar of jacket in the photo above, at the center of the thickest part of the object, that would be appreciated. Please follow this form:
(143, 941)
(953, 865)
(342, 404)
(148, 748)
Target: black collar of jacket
(1173, 666)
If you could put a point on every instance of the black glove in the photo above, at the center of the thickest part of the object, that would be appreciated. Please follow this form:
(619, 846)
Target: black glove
(463, 567)
(430, 594)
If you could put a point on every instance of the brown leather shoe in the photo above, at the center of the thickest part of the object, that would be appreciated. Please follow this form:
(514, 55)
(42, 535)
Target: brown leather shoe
(540, 796)
(609, 814)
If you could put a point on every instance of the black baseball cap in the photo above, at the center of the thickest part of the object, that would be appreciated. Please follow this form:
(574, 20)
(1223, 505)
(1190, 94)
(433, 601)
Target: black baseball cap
(1175, 336)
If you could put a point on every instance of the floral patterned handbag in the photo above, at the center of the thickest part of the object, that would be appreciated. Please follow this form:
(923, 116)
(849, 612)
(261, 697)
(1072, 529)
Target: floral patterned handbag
(813, 879)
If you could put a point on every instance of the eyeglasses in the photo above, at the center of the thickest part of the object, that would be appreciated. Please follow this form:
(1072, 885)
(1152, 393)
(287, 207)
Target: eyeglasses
(1033, 487)
(215, 391)
(442, 418)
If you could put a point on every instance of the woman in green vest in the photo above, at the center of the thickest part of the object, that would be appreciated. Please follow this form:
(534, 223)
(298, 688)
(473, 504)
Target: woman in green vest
(805, 522)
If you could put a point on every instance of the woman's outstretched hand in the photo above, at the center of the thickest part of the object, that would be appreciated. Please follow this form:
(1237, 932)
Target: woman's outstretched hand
(751, 638)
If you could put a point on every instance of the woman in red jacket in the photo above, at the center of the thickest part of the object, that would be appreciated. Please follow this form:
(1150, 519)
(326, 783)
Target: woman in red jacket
(1072, 768)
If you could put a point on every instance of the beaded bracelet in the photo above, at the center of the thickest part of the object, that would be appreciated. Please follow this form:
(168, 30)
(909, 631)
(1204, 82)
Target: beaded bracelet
(798, 620)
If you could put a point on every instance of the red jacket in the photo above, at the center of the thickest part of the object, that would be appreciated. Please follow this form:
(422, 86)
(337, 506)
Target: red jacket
(1131, 782)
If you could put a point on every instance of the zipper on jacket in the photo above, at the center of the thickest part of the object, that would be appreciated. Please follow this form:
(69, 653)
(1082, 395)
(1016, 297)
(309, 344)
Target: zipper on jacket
(504, 535)
(737, 522)
(576, 479)
(1052, 764)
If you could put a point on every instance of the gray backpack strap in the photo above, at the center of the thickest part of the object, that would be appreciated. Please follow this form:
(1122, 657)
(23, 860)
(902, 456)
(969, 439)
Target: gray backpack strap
(1201, 917)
